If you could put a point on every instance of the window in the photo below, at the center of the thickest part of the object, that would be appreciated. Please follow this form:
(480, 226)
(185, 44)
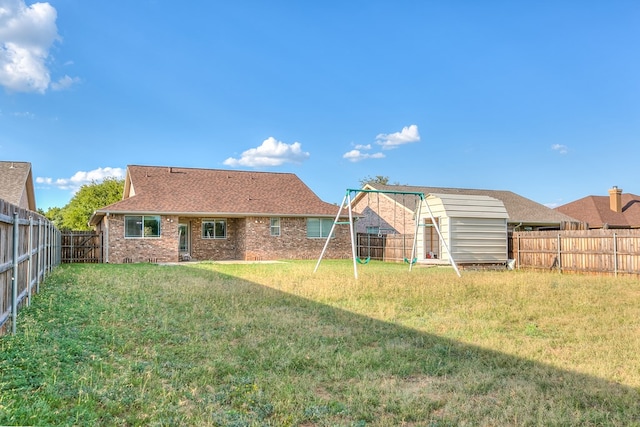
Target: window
(214, 229)
(275, 226)
(142, 226)
(319, 227)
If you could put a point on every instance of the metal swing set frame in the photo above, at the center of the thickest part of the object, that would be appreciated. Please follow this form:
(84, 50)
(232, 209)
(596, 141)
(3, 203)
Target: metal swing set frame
(346, 204)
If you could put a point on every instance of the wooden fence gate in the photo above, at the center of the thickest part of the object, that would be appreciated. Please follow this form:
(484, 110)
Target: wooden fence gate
(82, 247)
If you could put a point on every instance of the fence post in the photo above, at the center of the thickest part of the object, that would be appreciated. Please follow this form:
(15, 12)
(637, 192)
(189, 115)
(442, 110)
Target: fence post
(40, 259)
(14, 275)
(30, 263)
(559, 254)
(615, 255)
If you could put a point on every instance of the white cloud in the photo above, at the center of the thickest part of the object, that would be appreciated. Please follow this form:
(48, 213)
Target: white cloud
(81, 178)
(26, 35)
(562, 149)
(363, 147)
(271, 153)
(65, 83)
(357, 155)
(407, 135)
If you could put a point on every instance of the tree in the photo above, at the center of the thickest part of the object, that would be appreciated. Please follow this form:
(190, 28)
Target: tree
(53, 214)
(378, 179)
(76, 214)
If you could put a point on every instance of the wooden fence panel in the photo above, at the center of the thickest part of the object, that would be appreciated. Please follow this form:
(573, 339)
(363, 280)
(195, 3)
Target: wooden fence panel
(82, 247)
(29, 249)
(578, 251)
(384, 247)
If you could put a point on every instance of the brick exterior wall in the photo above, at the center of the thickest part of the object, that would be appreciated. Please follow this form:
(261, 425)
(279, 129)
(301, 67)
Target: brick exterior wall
(380, 211)
(246, 239)
(156, 249)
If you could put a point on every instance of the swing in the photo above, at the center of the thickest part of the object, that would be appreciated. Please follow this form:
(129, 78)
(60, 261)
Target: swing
(365, 261)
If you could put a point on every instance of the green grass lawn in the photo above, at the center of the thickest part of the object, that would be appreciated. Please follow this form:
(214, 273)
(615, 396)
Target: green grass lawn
(277, 345)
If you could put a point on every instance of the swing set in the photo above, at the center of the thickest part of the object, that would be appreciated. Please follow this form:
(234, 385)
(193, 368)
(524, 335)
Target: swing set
(389, 229)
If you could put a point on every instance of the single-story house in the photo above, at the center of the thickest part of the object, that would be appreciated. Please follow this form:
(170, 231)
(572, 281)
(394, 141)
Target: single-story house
(16, 184)
(169, 214)
(474, 223)
(617, 210)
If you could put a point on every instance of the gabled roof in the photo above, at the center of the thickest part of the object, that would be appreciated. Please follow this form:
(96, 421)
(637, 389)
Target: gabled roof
(520, 209)
(16, 184)
(215, 192)
(596, 211)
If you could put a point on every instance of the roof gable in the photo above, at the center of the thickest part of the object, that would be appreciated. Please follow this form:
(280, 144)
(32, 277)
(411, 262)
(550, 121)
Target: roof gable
(191, 191)
(16, 184)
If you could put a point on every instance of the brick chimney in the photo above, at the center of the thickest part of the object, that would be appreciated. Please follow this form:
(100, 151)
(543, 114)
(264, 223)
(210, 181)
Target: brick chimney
(615, 199)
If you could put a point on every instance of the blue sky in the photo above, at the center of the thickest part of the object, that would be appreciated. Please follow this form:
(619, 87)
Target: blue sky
(537, 97)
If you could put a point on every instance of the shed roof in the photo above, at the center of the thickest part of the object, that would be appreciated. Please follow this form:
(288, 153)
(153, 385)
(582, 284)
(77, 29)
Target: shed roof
(519, 208)
(16, 184)
(470, 206)
(193, 191)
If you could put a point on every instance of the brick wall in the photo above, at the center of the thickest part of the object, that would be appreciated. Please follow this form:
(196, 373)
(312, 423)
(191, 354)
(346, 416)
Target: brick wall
(247, 239)
(378, 210)
(293, 242)
(217, 249)
(156, 249)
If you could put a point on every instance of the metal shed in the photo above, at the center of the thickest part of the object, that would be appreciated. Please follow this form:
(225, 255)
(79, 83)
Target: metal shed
(473, 227)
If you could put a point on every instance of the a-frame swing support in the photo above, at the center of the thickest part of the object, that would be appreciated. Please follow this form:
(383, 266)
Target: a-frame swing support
(346, 203)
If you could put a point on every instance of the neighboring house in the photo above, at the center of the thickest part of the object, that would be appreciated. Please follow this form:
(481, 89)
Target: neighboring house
(16, 184)
(169, 214)
(474, 223)
(617, 210)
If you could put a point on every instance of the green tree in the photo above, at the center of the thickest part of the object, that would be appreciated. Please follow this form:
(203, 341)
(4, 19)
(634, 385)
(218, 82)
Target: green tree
(53, 214)
(378, 179)
(76, 214)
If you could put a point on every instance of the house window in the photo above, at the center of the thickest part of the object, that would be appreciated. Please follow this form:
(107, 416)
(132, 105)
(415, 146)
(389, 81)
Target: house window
(142, 226)
(319, 227)
(214, 229)
(275, 226)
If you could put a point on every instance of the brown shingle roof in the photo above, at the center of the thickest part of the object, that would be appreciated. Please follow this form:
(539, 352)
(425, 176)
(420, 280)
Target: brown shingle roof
(595, 211)
(159, 189)
(16, 184)
(520, 209)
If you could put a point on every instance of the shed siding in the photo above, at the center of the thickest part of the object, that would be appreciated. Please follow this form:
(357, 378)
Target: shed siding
(473, 227)
(479, 240)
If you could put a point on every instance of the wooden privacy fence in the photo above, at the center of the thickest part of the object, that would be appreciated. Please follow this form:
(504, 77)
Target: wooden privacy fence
(579, 251)
(81, 247)
(29, 249)
(384, 247)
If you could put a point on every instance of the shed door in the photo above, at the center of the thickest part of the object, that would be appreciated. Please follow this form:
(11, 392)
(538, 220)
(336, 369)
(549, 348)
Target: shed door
(431, 239)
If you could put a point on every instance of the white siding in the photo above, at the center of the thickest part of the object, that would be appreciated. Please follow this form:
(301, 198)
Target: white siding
(473, 227)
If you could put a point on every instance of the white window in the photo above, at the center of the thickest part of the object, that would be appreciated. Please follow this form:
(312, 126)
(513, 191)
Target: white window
(275, 226)
(319, 227)
(142, 226)
(214, 229)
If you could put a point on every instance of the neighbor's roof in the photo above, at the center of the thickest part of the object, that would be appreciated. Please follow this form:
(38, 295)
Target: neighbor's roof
(190, 191)
(16, 184)
(520, 209)
(596, 211)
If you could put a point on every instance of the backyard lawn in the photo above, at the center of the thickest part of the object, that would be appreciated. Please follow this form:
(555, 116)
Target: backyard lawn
(278, 345)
